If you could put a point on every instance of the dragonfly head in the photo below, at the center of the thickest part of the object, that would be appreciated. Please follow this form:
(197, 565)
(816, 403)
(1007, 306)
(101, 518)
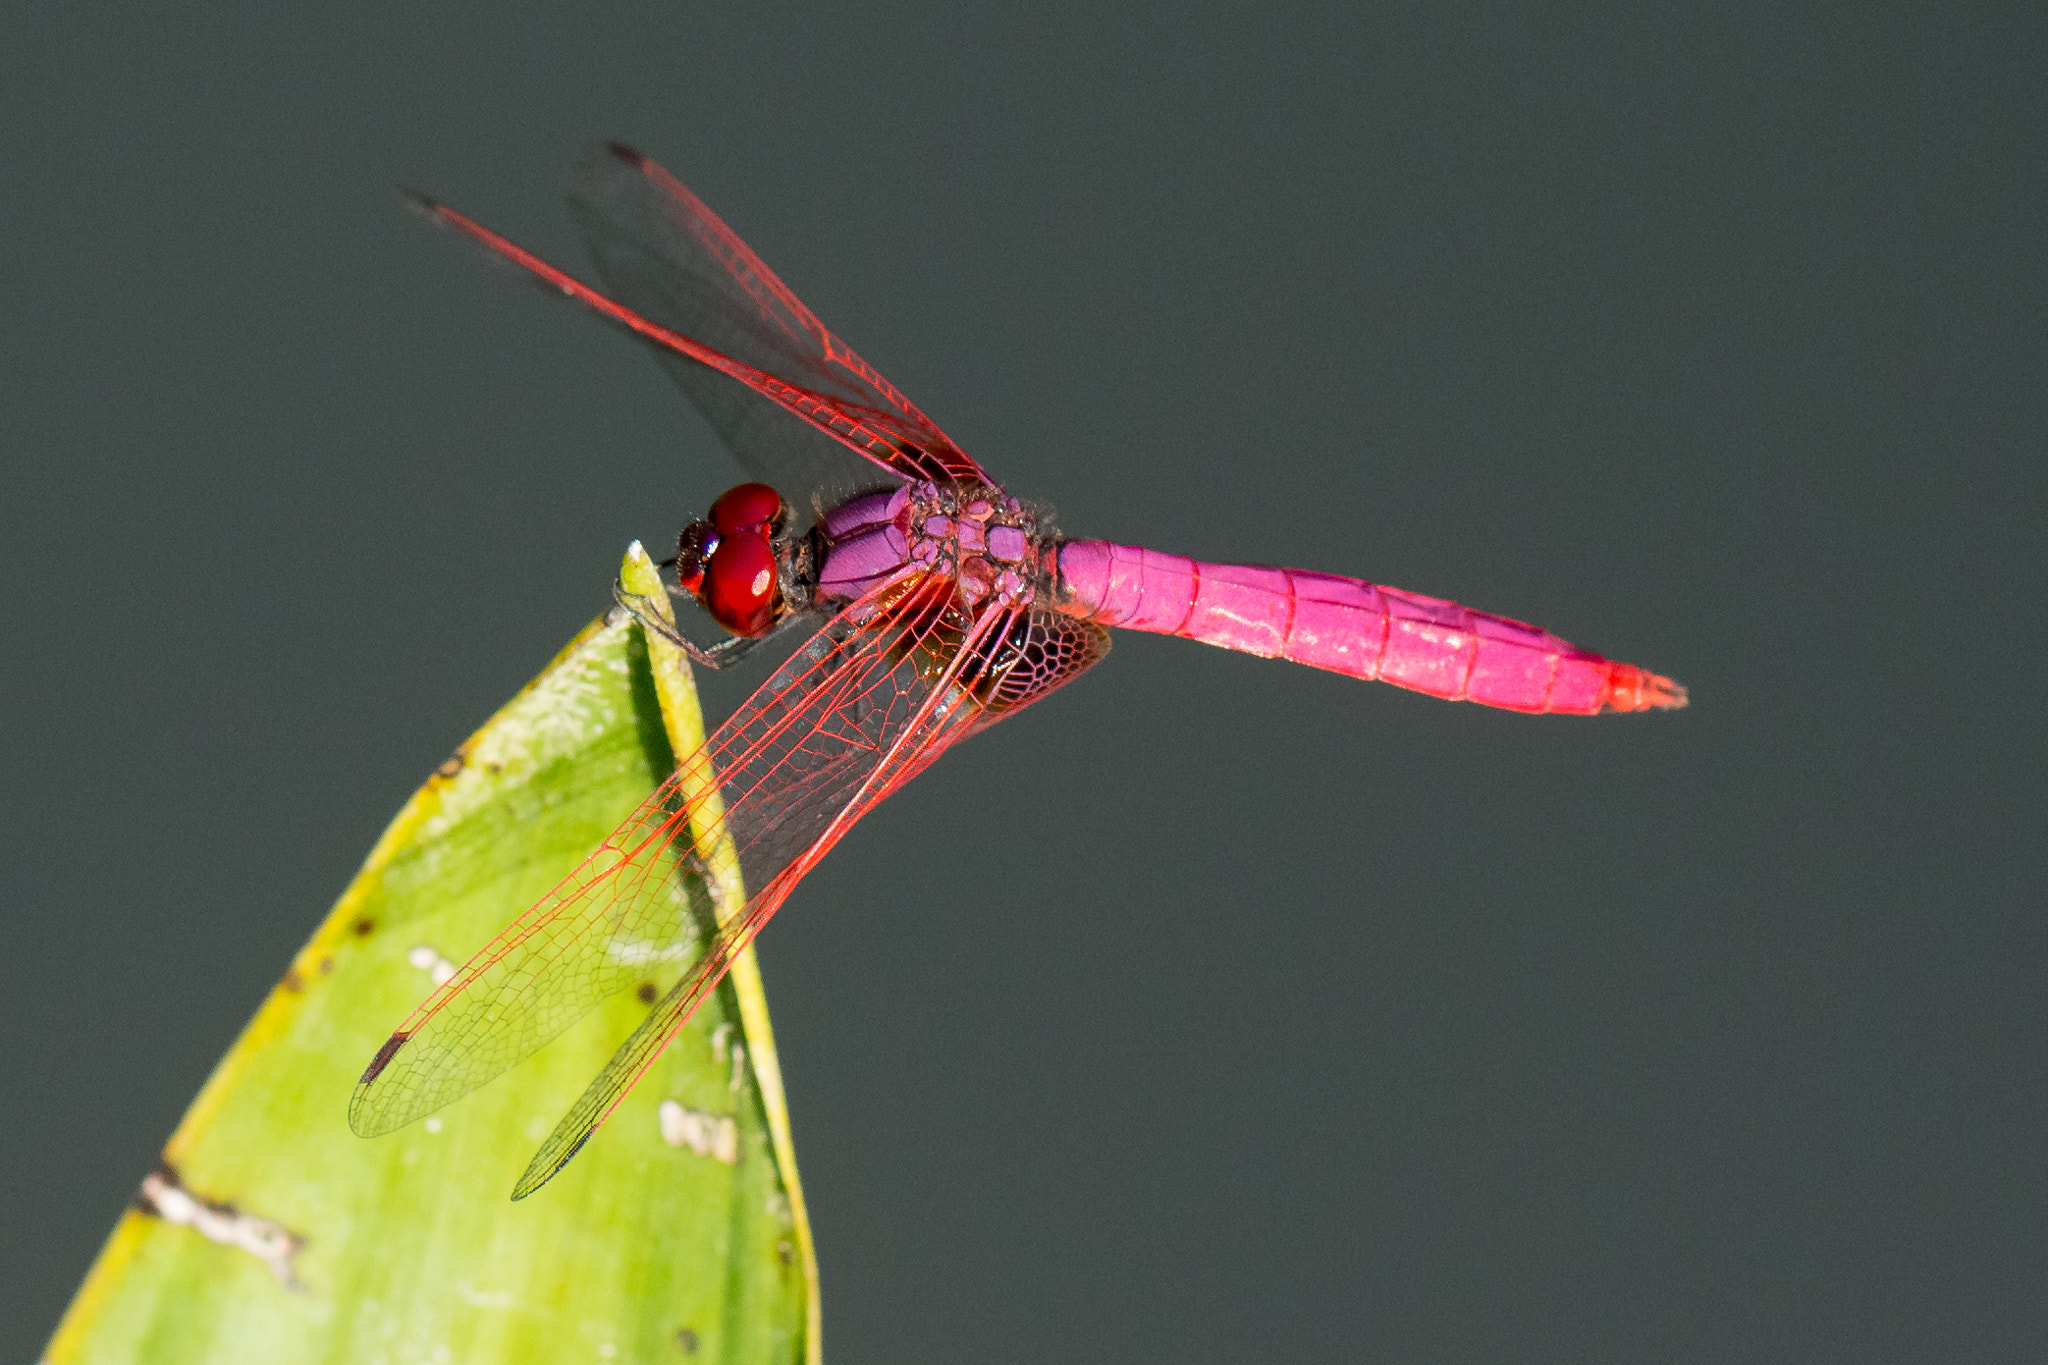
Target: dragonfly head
(728, 561)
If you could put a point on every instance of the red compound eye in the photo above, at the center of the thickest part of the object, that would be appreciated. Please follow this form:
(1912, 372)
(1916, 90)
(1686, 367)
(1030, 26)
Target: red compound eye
(749, 507)
(739, 584)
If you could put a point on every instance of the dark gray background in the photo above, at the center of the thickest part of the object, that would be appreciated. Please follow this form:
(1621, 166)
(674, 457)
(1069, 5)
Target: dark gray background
(1215, 1008)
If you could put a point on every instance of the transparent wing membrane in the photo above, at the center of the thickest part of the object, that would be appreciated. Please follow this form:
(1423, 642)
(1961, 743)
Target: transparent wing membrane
(789, 761)
(870, 701)
(867, 434)
(947, 712)
(664, 254)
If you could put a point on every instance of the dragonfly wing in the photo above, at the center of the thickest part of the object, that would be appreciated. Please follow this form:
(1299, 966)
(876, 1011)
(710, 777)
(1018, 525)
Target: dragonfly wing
(951, 710)
(1044, 651)
(873, 435)
(796, 764)
(616, 919)
(666, 255)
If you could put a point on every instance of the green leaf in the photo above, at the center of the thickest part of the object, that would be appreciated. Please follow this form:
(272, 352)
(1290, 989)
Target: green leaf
(678, 1234)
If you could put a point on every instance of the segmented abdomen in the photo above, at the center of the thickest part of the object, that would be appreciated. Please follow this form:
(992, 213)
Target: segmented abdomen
(1352, 627)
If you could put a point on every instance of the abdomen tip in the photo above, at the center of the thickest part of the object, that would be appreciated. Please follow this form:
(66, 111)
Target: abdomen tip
(1636, 689)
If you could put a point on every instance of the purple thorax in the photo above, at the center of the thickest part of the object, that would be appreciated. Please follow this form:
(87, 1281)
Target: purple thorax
(981, 537)
(865, 543)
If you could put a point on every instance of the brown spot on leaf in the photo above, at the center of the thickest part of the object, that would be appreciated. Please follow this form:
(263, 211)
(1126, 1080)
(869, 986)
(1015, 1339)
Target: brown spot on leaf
(164, 1195)
(686, 1339)
(364, 926)
(451, 767)
(646, 993)
(293, 982)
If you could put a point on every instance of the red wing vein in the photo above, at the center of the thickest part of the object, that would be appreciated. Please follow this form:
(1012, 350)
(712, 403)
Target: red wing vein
(663, 252)
(870, 436)
(944, 714)
(634, 906)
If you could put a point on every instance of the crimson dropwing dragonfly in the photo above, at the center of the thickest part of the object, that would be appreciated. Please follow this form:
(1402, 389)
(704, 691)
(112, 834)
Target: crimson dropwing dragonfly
(939, 605)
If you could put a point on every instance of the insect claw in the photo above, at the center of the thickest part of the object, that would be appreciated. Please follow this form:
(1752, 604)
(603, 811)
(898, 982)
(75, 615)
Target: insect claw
(641, 609)
(724, 654)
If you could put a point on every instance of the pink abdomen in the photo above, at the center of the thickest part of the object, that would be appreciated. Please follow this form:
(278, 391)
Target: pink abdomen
(1354, 628)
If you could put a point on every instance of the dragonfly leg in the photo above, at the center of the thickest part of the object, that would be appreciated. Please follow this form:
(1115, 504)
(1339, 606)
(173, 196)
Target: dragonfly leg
(724, 654)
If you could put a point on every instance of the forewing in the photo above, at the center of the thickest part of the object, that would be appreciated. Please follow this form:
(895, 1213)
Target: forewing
(666, 255)
(960, 672)
(798, 760)
(867, 434)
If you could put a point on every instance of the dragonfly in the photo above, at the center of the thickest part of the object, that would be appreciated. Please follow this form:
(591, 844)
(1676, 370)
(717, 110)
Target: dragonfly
(937, 605)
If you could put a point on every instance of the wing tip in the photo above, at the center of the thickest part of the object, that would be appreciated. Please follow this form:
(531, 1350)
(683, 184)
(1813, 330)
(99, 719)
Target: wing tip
(363, 1121)
(534, 1177)
(422, 203)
